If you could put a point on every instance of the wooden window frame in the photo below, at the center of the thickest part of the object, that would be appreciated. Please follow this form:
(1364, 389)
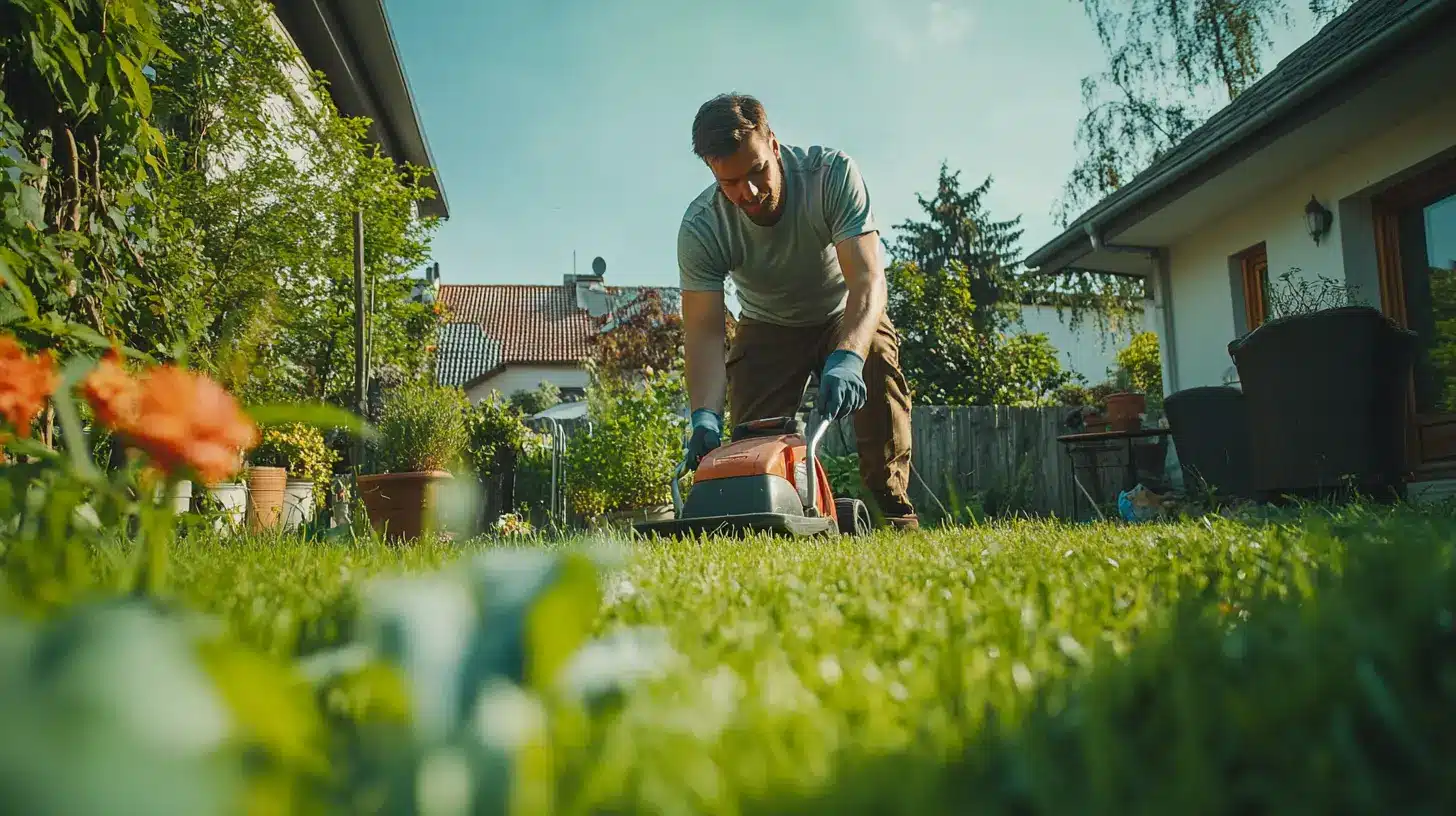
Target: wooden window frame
(1254, 272)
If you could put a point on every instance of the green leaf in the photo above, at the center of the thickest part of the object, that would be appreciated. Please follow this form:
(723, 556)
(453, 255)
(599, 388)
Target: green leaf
(63, 16)
(27, 167)
(32, 208)
(319, 415)
(31, 448)
(23, 297)
(139, 86)
(87, 334)
(73, 56)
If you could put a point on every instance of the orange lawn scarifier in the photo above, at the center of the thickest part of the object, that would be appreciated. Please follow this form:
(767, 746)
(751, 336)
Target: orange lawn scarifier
(760, 483)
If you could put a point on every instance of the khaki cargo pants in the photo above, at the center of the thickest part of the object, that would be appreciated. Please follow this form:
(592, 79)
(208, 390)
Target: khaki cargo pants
(768, 366)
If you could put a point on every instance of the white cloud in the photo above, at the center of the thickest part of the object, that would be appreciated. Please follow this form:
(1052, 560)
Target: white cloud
(908, 29)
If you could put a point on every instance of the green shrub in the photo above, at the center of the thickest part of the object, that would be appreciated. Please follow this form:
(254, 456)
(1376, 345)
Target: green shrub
(625, 461)
(1143, 363)
(422, 427)
(496, 429)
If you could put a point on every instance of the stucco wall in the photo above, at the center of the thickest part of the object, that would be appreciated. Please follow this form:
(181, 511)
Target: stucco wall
(1205, 296)
(528, 378)
(1089, 349)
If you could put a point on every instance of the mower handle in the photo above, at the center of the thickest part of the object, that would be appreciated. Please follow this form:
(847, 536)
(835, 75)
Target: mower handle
(810, 456)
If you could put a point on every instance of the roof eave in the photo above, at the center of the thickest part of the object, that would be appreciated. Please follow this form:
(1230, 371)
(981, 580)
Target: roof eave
(1145, 195)
(353, 44)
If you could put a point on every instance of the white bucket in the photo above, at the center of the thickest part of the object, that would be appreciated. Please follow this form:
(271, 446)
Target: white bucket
(180, 498)
(298, 504)
(233, 496)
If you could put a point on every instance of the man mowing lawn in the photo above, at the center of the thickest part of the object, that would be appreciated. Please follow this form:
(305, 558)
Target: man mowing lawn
(794, 228)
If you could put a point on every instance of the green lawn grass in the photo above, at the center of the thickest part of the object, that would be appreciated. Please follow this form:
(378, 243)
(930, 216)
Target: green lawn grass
(1301, 663)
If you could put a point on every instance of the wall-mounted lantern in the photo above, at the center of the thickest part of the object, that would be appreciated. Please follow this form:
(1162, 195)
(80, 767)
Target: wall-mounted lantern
(1317, 219)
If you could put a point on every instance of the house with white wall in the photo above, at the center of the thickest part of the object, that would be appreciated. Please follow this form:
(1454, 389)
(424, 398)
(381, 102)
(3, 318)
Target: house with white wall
(1339, 163)
(1087, 347)
(513, 337)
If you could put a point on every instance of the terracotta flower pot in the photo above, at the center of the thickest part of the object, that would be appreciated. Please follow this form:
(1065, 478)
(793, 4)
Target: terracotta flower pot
(398, 504)
(266, 487)
(1124, 410)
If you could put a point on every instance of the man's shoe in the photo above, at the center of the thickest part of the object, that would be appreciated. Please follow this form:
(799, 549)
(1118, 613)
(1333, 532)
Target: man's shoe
(904, 522)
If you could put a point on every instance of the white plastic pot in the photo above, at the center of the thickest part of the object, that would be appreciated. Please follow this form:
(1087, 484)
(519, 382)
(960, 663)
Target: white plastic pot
(180, 498)
(298, 503)
(233, 496)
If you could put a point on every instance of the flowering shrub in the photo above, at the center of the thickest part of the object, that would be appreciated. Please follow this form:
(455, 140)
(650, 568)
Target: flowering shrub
(511, 524)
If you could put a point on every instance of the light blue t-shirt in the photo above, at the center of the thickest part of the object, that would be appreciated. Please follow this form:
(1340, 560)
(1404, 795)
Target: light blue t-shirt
(787, 274)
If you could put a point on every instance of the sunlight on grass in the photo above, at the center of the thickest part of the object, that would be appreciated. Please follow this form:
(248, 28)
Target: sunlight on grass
(1065, 668)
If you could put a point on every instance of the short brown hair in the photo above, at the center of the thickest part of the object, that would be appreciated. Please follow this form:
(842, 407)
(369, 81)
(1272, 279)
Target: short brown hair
(724, 122)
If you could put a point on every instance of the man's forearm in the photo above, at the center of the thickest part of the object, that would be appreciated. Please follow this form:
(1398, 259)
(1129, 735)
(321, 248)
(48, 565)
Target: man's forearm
(862, 314)
(707, 375)
(859, 258)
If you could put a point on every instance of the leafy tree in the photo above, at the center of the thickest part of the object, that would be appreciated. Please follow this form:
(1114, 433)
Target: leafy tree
(237, 217)
(79, 159)
(643, 418)
(1171, 65)
(536, 400)
(955, 294)
(644, 333)
(949, 361)
(959, 240)
(261, 246)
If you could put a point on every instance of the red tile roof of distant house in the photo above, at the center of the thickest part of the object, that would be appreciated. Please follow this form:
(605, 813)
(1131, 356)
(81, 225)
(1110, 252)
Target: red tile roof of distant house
(522, 324)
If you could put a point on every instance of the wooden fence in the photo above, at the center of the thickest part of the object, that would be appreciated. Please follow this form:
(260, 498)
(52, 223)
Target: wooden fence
(997, 460)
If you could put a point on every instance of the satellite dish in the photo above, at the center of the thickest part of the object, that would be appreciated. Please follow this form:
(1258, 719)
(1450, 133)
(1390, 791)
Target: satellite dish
(599, 266)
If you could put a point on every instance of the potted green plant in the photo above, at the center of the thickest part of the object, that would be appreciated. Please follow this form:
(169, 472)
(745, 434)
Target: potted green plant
(307, 462)
(423, 436)
(606, 486)
(498, 434)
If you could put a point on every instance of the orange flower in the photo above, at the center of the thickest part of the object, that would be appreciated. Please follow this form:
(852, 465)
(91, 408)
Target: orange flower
(26, 381)
(112, 392)
(185, 420)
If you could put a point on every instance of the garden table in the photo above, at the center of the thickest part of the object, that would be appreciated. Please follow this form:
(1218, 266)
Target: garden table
(1073, 440)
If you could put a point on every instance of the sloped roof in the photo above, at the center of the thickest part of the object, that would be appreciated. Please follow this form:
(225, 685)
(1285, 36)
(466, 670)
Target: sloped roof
(1344, 48)
(465, 354)
(495, 325)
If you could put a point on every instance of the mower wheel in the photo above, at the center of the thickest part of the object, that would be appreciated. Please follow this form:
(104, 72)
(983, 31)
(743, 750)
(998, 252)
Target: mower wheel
(854, 517)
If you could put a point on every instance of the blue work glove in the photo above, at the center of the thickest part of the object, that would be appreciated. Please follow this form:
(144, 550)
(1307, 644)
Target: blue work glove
(841, 385)
(707, 435)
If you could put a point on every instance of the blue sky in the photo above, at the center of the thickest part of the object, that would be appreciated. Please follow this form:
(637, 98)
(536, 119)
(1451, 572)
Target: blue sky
(564, 126)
